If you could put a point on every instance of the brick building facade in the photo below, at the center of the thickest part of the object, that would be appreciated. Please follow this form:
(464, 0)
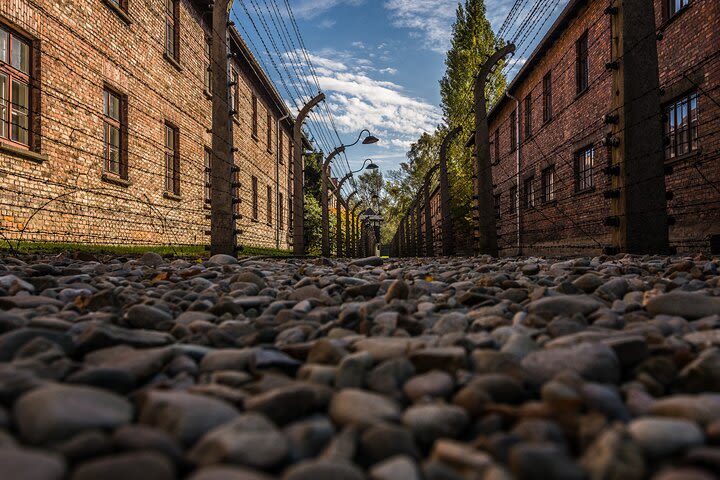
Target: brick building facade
(106, 126)
(558, 99)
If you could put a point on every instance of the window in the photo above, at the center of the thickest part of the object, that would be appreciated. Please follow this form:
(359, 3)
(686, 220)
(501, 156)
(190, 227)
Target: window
(281, 152)
(234, 99)
(548, 184)
(255, 198)
(208, 65)
(172, 160)
(121, 4)
(674, 6)
(584, 160)
(206, 177)
(172, 29)
(529, 192)
(269, 132)
(547, 97)
(581, 64)
(497, 145)
(513, 130)
(528, 116)
(269, 205)
(496, 203)
(513, 199)
(681, 126)
(254, 116)
(281, 211)
(14, 88)
(115, 133)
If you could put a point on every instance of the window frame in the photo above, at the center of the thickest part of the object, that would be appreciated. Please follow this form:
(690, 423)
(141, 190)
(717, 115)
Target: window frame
(547, 97)
(582, 64)
(513, 130)
(254, 121)
(670, 8)
(234, 92)
(529, 192)
(14, 75)
(281, 211)
(255, 203)
(172, 160)
(496, 139)
(207, 75)
(207, 179)
(528, 115)
(547, 189)
(172, 20)
(121, 125)
(691, 130)
(584, 181)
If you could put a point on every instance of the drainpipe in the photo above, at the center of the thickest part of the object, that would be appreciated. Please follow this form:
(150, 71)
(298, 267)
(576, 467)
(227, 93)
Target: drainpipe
(277, 180)
(517, 170)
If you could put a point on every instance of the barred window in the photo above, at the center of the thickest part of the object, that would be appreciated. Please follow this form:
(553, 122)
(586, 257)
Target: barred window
(547, 97)
(681, 126)
(255, 207)
(513, 130)
(121, 4)
(529, 192)
(115, 133)
(206, 176)
(281, 211)
(172, 159)
(208, 65)
(172, 29)
(674, 6)
(15, 79)
(584, 162)
(497, 145)
(234, 98)
(548, 184)
(254, 116)
(582, 66)
(528, 116)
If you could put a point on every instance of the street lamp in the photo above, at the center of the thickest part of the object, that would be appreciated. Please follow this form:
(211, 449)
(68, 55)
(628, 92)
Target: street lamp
(368, 140)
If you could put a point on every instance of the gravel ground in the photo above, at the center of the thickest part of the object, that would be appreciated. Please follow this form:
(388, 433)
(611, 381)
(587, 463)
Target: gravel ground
(159, 368)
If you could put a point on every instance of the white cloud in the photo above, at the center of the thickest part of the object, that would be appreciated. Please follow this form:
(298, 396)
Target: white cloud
(326, 24)
(358, 100)
(309, 9)
(430, 20)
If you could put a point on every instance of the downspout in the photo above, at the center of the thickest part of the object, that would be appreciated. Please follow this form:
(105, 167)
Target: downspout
(517, 170)
(277, 181)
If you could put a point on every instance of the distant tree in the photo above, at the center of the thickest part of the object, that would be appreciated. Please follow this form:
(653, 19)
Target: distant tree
(473, 41)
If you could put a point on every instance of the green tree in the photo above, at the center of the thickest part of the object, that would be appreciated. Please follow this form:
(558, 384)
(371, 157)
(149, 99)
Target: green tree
(473, 42)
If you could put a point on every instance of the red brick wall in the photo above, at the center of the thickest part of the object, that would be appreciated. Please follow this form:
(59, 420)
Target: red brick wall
(574, 222)
(81, 47)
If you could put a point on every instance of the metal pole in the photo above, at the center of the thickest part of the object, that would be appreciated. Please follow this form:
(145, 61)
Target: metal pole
(639, 203)
(324, 200)
(447, 225)
(299, 178)
(222, 220)
(347, 223)
(487, 242)
(338, 214)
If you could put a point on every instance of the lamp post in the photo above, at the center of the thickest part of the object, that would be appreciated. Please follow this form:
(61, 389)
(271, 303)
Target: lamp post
(368, 140)
(365, 166)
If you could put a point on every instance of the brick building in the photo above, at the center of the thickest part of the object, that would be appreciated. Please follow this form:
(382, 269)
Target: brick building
(106, 126)
(558, 99)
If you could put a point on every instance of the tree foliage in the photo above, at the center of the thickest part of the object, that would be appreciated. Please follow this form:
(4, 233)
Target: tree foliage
(473, 41)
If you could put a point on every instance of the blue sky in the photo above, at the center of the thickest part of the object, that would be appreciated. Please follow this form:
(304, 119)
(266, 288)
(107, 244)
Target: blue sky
(378, 61)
